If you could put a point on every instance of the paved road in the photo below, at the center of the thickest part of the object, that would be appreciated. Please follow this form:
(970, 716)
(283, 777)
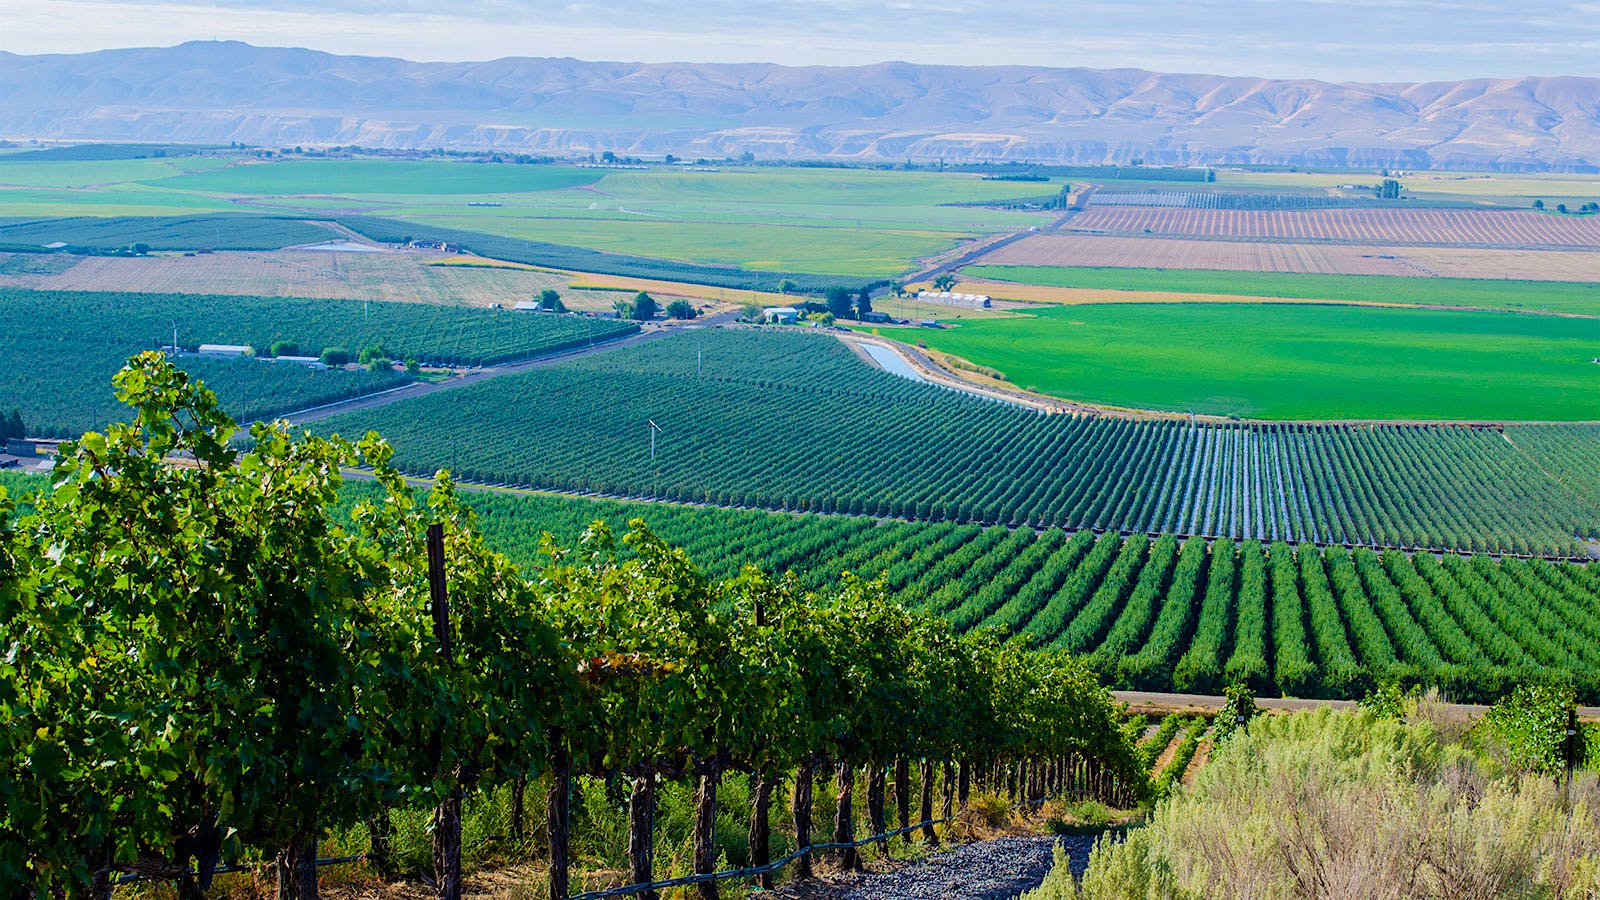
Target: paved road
(983, 249)
(474, 376)
(422, 389)
(1146, 700)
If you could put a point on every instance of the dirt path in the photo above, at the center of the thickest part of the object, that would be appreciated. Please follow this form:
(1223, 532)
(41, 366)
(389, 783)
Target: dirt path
(1147, 701)
(1168, 752)
(987, 870)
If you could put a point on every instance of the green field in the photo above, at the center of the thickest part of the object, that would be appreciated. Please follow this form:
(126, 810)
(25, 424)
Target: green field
(379, 176)
(1288, 361)
(868, 253)
(1485, 293)
(794, 420)
(848, 223)
(1146, 614)
(93, 175)
(59, 349)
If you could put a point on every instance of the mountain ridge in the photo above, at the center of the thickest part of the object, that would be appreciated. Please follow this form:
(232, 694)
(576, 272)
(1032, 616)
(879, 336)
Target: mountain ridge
(216, 92)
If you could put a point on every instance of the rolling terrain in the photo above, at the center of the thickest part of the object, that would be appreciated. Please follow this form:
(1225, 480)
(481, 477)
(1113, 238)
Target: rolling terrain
(216, 92)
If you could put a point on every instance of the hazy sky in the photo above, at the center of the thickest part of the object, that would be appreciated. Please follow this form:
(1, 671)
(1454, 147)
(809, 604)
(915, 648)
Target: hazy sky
(1345, 40)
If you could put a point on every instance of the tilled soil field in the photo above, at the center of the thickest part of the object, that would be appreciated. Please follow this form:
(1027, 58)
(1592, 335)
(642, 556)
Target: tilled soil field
(1429, 227)
(1060, 249)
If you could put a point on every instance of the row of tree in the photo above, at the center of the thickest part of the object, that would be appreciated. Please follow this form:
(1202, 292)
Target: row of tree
(203, 665)
(12, 426)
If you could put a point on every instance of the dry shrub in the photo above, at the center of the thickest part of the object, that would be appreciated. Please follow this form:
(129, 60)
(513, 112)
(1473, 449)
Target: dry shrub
(986, 815)
(1331, 804)
(1451, 722)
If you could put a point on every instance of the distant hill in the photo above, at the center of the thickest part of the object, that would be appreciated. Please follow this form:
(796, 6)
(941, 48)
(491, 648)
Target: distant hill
(211, 92)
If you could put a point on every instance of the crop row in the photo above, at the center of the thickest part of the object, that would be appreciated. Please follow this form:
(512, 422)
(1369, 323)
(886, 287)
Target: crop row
(1482, 227)
(59, 349)
(216, 232)
(1219, 200)
(794, 421)
(1158, 614)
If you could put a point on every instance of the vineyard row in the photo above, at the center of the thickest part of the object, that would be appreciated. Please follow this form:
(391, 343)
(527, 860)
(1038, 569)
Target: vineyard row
(793, 421)
(1161, 614)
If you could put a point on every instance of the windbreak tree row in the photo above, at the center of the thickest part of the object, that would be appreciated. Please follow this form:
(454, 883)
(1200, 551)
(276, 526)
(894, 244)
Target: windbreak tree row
(795, 421)
(212, 659)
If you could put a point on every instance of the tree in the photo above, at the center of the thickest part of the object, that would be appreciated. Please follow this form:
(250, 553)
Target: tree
(944, 282)
(11, 425)
(821, 319)
(334, 357)
(1561, 208)
(644, 307)
(681, 309)
(1538, 204)
(1389, 189)
(284, 348)
(550, 301)
(623, 308)
(787, 287)
(863, 304)
(839, 301)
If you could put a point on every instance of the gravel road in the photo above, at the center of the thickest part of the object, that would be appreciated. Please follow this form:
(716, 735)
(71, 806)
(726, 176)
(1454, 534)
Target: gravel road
(989, 870)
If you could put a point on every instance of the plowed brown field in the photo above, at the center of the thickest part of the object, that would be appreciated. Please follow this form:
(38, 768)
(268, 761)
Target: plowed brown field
(1060, 249)
(401, 277)
(1436, 227)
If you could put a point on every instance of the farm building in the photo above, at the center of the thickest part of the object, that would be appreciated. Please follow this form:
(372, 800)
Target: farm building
(949, 298)
(876, 316)
(312, 361)
(781, 315)
(31, 447)
(226, 351)
(528, 306)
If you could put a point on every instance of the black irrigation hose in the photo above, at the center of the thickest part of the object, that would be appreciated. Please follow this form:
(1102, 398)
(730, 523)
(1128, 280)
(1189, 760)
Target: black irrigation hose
(624, 890)
(225, 868)
(750, 872)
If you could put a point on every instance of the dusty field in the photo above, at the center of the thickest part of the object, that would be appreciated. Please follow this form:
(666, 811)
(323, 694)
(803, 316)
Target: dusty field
(1438, 227)
(1330, 259)
(406, 277)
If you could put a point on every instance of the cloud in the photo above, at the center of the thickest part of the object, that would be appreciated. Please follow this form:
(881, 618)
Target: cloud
(1364, 40)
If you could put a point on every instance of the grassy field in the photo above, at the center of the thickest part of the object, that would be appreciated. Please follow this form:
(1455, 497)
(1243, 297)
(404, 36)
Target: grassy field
(858, 222)
(1500, 188)
(1486, 293)
(1297, 362)
(868, 253)
(381, 176)
(99, 173)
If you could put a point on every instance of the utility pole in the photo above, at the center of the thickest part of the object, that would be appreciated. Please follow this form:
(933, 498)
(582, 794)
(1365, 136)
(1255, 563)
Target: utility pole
(699, 358)
(653, 429)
